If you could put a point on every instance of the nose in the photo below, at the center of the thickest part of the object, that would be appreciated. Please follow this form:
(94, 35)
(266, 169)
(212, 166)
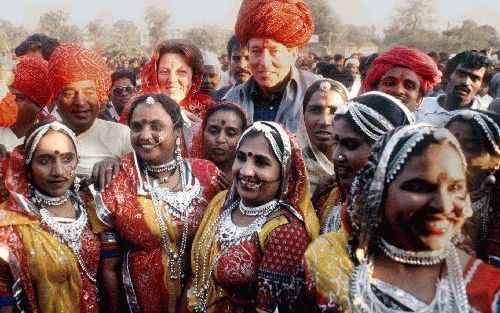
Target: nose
(146, 134)
(57, 168)
(442, 202)
(247, 169)
(220, 138)
(266, 58)
(325, 118)
(79, 98)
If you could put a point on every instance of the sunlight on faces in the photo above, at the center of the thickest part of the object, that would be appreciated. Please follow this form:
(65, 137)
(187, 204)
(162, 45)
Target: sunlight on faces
(270, 62)
(318, 118)
(175, 76)
(221, 134)
(403, 84)
(152, 133)
(53, 165)
(425, 203)
(78, 105)
(256, 171)
(354, 150)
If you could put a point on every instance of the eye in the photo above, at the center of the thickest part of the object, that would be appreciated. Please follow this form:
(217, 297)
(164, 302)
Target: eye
(69, 94)
(135, 127)
(418, 186)
(89, 92)
(261, 161)
(68, 158)
(455, 187)
(43, 160)
(231, 132)
(351, 144)
(156, 127)
(240, 156)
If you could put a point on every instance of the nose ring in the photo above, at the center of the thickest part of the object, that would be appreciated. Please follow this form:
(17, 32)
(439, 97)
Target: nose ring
(341, 157)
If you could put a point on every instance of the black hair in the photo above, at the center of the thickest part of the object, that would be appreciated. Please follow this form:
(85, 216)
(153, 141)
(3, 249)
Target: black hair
(365, 63)
(233, 44)
(342, 75)
(34, 42)
(469, 59)
(124, 73)
(317, 85)
(338, 57)
(170, 106)
(276, 135)
(228, 106)
(383, 105)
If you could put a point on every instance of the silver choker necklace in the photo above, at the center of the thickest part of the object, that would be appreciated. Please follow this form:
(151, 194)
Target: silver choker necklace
(167, 167)
(263, 209)
(412, 257)
(40, 198)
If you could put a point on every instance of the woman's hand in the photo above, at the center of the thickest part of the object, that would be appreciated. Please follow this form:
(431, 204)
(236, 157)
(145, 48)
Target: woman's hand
(104, 172)
(224, 181)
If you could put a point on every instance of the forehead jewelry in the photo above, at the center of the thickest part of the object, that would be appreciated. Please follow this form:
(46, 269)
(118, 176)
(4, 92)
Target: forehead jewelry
(150, 100)
(325, 86)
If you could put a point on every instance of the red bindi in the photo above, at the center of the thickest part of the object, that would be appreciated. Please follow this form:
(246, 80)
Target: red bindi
(442, 177)
(56, 152)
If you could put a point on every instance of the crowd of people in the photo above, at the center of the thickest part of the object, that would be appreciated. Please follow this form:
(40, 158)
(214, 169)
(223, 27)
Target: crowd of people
(293, 184)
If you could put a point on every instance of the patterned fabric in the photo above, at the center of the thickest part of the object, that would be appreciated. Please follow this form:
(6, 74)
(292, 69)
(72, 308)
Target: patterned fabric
(193, 102)
(423, 65)
(267, 264)
(328, 270)
(71, 63)
(31, 79)
(198, 148)
(129, 210)
(287, 21)
(8, 110)
(41, 281)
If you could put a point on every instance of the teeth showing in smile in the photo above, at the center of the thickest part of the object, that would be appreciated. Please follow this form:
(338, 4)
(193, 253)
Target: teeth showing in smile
(439, 226)
(148, 146)
(250, 184)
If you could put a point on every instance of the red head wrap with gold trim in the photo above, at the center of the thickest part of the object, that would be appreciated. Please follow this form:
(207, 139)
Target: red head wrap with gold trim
(288, 22)
(411, 58)
(71, 63)
(31, 79)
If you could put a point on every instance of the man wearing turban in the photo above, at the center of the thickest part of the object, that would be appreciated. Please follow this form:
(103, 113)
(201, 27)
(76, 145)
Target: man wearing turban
(273, 30)
(28, 94)
(405, 73)
(80, 83)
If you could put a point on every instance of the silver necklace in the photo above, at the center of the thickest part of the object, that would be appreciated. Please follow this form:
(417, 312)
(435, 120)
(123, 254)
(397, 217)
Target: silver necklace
(424, 258)
(450, 293)
(333, 221)
(40, 198)
(258, 210)
(162, 167)
(69, 233)
(180, 204)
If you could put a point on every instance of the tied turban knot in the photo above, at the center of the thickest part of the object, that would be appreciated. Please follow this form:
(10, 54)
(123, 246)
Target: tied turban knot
(71, 63)
(31, 79)
(288, 22)
(423, 65)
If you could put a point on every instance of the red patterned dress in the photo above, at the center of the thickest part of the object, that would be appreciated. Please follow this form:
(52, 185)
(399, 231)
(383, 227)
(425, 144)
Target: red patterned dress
(128, 209)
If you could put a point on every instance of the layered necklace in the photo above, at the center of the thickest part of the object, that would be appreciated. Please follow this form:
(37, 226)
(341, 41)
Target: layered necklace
(227, 234)
(450, 291)
(481, 207)
(70, 233)
(178, 204)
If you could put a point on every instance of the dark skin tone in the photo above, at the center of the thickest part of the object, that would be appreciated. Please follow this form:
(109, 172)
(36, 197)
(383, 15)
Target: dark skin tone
(463, 85)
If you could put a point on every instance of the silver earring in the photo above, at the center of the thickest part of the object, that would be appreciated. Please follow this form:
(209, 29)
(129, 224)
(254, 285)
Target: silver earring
(177, 152)
(76, 184)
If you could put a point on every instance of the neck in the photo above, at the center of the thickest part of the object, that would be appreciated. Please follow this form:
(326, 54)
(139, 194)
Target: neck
(448, 104)
(385, 267)
(226, 167)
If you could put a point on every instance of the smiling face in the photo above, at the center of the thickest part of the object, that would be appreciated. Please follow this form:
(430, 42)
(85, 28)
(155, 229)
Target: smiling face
(122, 91)
(152, 133)
(256, 171)
(463, 85)
(350, 152)
(318, 119)
(78, 105)
(53, 164)
(270, 62)
(403, 84)
(239, 68)
(221, 134)
(425, 204)
(175, 76)
(211, 79)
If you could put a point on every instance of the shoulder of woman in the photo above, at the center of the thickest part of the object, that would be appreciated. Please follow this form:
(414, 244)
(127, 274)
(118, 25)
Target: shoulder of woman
(282, 226)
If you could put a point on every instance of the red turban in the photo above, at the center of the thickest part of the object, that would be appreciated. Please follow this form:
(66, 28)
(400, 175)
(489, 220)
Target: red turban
(71, 63)
(31, 79)
(288, 22)
(411, 58)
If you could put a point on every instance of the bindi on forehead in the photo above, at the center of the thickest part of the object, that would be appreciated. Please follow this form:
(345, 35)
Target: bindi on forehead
(442, 177)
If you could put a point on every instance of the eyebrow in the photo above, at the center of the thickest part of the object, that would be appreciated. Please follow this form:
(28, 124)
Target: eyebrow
(471, 74)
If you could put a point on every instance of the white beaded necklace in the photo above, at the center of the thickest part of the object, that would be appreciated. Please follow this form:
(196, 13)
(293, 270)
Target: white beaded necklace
(258, 210)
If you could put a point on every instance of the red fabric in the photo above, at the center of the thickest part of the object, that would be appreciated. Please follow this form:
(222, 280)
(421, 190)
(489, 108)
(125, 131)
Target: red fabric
(71, 63)
(8, 110)
(286, 21)
(423, 65)
(31, 79)
(484, 286)
(198, 148)
(145, 258)
(17, 181)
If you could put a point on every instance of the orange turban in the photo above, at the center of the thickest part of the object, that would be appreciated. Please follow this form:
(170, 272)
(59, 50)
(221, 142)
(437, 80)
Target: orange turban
(71, 63)
(288, 22)
(423, 65)
(31, 79)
